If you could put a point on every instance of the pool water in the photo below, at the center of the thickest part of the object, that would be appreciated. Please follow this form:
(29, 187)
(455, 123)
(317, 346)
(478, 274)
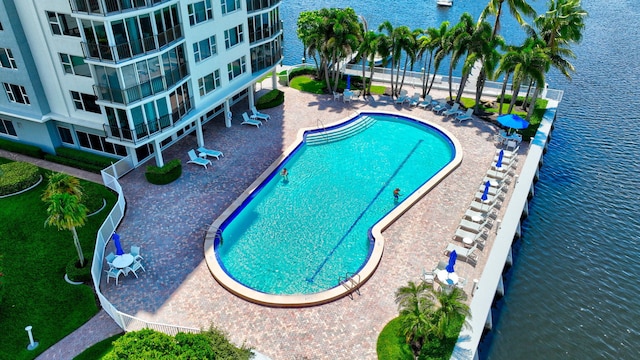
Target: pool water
(300, 236)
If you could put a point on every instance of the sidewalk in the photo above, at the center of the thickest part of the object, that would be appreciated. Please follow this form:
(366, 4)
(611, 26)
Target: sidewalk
(53, 166)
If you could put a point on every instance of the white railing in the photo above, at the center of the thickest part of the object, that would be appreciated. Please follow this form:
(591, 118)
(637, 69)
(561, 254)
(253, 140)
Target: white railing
(125, 321)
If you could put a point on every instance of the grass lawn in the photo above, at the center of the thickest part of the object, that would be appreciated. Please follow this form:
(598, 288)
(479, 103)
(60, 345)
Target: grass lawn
(308, 84)
(98, 350)
(33, 262)
(391, 344)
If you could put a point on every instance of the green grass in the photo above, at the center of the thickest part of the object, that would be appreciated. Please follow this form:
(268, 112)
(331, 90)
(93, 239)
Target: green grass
(308, 84)
(98, 350)
(391, 344)
(34, 260)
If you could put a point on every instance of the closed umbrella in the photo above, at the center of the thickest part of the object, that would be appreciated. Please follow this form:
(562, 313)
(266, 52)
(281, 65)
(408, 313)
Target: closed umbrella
(116, 243)
(485, 192)
(452, 261)
(348, 82)
(500, 156)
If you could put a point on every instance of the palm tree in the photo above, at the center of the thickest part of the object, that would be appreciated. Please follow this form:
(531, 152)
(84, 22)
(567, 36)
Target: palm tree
(464, 44)
(386, 46)
(416, 309)
(506, 66)
(439, 41)
(426, 44)
(67, 213)
(406, 42)
(517, 8)
(449, 306)
(532, 62)
(59, 183)
(367, 53)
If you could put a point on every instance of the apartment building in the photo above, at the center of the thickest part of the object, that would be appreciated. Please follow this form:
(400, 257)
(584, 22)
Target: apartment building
(129, 77)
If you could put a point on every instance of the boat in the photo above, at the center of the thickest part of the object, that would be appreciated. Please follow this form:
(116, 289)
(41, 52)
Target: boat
(444, 2)
(378, 60)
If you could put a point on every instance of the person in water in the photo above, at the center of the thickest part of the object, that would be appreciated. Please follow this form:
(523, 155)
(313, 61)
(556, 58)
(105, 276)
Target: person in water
(396, 195)
(285, 174)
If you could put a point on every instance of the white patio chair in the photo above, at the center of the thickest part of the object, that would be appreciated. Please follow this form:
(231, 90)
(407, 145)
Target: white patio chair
(114, 273)
(135, 252)
(137, 265)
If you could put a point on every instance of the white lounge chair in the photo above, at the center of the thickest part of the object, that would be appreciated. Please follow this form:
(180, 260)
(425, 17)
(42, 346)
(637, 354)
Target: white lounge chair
(475, 215)
(483, 206)
(258, 115)
(194, 159)
(248, 121)
(465, 116)
(467, 255)
(453, 111)
(208, 152)
(498, 175)
(493, 190)
(478, 238)
(490, 198)
(475, 226)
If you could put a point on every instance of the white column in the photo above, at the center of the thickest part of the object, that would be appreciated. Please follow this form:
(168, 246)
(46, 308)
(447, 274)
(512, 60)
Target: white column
(274, 79)
(199, 136)
(227, 114)
(158, 152)
(251, 93)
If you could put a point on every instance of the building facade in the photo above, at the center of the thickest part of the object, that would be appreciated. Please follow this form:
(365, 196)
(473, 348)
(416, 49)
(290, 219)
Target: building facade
(129, 77)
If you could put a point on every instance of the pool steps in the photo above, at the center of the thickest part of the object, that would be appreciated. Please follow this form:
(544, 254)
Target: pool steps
(343, 132)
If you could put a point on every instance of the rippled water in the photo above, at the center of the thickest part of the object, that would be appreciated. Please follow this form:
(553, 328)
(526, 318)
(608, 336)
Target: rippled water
(573, 292)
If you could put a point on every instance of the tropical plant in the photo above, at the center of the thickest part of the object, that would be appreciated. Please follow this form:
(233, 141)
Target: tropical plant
(67, 213)
(426, 44)
(440, 42)
(367, 53)
(59, 183)
(449, 307)
(531, 62)
(517, 8)
(416, 308)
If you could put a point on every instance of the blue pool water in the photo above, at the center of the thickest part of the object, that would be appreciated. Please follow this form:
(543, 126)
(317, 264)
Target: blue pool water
(299, 236)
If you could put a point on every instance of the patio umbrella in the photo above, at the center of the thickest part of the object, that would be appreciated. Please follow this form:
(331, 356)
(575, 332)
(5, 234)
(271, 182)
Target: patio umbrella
(513, 121)
(452, 261)
(116, 242)
(348, 82)
(500, 156)
(485, 193)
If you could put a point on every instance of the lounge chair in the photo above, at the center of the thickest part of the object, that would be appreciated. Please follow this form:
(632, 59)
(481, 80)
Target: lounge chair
(453, 111)
(427, 102)
(474, 214)
(465, 116)
(414, 100)
(483, 206)
(248, 121)
(401, 99)
(194, 159)
(475, 226)
(258, 115)
(208, 152)
(506, 155)
(490, 198)
(467, 255)
(478, 238)
(439, 107)
(498, 175)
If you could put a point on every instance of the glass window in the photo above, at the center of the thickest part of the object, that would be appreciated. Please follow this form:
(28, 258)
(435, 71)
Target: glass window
(63, 24)
(209, 83)
(229, 5)
(205, 48)
(74, 65)
(16, 93)
(233, 36)
(85, 102)
(236, 68)
(200, 12)
(65, 135)
(6, 59)
(6, 127)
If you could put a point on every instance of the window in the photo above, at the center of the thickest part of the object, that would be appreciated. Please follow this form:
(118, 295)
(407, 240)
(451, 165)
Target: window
(65, 135)
(205, 48)
(237, 68)
(99, 143)
(209, 83)
(85, 102)
(6, 59)
(6, 127)
(233, 36)
(74, 65)
(229, 5)
(16, 93)
(63, 24)
(200, 12)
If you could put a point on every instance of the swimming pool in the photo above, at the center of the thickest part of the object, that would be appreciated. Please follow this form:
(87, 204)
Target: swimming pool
(290, 242)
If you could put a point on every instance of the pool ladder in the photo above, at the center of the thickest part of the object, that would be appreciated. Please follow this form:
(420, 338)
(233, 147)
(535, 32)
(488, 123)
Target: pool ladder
(319, 123)
(351, 281)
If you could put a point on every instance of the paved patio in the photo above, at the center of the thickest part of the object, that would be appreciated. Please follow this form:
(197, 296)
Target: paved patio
(169, 223)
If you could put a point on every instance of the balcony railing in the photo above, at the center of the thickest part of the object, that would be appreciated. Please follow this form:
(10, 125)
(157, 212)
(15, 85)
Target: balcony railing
(141, 91)
(146, 130)
(105, 7)
(257, 5)
(133, 48)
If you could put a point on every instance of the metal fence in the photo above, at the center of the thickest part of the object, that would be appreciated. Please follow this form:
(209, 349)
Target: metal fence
(125, 321)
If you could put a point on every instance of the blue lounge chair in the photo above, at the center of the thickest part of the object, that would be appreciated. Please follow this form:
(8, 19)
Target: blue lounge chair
(258, 115)
(194, 159)
(208, 152)
(466, 116)
(439, 107)
(453, 111)
(249, 121)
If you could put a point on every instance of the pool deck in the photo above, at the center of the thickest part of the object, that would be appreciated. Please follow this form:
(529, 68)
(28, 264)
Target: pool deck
(169, 223)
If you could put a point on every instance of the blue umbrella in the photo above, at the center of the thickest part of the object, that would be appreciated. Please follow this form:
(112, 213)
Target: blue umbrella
(485, 193)
(500, 156)
(513, 121)
(116, 242)
(348, 82)
(452, 261)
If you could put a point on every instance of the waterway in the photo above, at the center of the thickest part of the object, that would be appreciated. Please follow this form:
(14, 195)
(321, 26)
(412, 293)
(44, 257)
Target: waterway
(573, 290)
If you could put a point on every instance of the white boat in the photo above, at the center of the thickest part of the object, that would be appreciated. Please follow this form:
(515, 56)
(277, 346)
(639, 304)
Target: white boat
(444, 2)
(378, 60)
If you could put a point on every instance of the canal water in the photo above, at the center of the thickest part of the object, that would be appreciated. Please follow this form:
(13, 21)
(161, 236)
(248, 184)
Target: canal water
(573, 291)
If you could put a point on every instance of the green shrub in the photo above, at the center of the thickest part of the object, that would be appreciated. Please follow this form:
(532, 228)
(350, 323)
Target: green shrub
(17, 176)
(85, 157)
(77, 273)
(391, 344)
(20, 148)
(150, 344)
(74, 163)
(306, 70)
(170, 172)
(1, 282)
(271, 99)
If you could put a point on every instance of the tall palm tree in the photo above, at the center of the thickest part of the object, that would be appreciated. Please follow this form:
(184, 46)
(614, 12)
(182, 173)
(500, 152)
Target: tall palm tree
(464, 46)
(439, 39)
(449, 306)
(416, 309)
(532, 63)
(406, 43)
(367, 53)
(426, 44)
(387, 45)
(59, 183)
(517, 8)
(67, 213)
(506, 66)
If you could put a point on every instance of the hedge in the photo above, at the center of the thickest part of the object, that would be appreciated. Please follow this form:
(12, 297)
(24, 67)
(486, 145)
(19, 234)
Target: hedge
(73, 163)
(20, 148)
(170, 172)
(85, 157)
(271, 99)
(17, 176)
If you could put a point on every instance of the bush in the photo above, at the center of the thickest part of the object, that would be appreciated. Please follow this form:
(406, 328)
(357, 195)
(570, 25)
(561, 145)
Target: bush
(1, 281)
(271, 99)
(20, 148)
(170, 172)
(391, 344)
(99, 349)
(150, 344)
(77, 273)
(17, 176)
(307, 70)
(73, 163)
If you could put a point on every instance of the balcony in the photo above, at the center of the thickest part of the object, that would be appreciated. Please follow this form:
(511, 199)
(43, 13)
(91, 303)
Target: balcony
(141, 91)
(145, 131)
(106, 7)
(129, 50)
(257, 5)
